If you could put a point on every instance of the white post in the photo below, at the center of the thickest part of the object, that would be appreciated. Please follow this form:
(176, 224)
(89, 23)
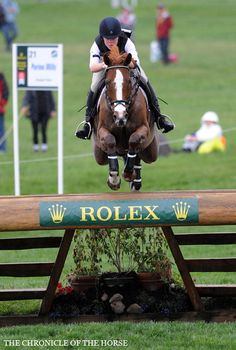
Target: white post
(15, 122)
(60, 128)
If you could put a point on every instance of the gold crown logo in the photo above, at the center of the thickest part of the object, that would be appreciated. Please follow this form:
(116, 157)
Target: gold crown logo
(57, 213)
(181, 210)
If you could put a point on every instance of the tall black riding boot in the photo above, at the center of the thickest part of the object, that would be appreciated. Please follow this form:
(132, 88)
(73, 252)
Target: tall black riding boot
(163, 122)
(86, 131)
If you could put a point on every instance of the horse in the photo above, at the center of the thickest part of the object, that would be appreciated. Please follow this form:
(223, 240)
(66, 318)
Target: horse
(123, 125)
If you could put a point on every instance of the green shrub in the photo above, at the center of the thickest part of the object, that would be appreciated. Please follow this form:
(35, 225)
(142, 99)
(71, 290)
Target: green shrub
(126, 249)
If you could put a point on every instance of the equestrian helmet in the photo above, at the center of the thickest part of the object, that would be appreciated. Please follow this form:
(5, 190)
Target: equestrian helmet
(110, 28)
(210, 117)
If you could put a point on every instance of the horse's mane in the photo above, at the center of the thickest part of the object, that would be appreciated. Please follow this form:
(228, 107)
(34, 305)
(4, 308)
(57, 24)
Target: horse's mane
(116, 57)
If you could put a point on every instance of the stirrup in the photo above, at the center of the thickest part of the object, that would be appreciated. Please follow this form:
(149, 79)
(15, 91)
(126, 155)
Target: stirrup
(165, 116)
(78, 129)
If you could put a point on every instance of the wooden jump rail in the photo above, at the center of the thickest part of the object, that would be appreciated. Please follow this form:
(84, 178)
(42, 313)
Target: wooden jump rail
(22, 213)
(69, 212)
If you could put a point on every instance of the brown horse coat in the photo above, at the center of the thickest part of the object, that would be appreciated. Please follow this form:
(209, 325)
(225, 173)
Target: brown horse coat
(123, 125)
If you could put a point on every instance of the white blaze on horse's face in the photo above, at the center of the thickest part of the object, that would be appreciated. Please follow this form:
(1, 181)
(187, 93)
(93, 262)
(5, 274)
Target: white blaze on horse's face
(120, 111)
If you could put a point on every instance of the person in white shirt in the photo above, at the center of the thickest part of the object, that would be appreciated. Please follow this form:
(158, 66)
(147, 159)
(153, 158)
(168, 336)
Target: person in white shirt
(110, 34)
(210, 130)
(127, 19)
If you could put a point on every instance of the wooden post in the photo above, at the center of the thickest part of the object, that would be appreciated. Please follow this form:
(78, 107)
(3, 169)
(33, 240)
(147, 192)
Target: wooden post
(56, 272)
(183, 269)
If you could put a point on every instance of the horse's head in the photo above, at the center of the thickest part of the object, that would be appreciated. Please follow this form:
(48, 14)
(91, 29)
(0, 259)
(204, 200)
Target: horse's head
(118, 84)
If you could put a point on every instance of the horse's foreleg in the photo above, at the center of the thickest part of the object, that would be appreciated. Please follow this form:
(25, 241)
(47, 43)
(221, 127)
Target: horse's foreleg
(136, 184)
(129, 173)
(108, 144)
(113, 180)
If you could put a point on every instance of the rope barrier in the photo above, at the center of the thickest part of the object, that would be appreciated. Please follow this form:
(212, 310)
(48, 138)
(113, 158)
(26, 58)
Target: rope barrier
(8, 132)
(24, 161)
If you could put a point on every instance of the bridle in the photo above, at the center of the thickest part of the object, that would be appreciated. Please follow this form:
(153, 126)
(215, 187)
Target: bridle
(114, 103)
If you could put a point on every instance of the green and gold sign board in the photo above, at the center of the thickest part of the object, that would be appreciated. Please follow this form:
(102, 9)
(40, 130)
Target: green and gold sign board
(176, 211)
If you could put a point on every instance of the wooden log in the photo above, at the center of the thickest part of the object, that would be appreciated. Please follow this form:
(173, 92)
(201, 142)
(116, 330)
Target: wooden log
(29, 243)
(216, 290)
(26, 269)
(22, 294)
(212, 265)
(206, 238)
(216, 207)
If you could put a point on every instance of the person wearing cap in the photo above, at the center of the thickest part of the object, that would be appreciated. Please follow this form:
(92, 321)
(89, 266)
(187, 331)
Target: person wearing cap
(208, 138)
(110, 34)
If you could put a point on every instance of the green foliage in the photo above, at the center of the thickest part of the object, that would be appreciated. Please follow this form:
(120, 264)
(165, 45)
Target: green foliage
(126, 249)
(87, 252)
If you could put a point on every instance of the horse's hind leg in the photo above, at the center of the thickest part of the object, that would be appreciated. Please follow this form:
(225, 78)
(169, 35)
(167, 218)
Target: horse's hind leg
(136, 184)
(99, 155)
(113, 180)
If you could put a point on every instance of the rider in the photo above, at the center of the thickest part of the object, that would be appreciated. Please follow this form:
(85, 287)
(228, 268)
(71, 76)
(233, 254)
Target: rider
(110, 34)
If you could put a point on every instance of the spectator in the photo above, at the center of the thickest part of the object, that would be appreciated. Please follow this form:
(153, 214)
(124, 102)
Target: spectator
(208, 138)
(164, 23)
(9, 27)
(4, 93)
(39, 106)
(118, 3)
(127, 20)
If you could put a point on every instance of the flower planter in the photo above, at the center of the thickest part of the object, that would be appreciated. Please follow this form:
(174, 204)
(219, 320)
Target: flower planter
(83, 282)
(150, 281)
(115, 279)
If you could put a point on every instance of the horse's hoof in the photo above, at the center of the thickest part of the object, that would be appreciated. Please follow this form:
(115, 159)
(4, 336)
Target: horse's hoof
(129, 176)
(135, 186)
(114, 186)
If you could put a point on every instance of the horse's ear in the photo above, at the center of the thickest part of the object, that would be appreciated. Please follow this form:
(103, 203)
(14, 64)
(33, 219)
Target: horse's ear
(128, 59)
(106, 59)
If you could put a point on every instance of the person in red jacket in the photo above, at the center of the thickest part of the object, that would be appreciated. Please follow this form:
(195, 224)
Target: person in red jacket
(4, 93)
(164, 23)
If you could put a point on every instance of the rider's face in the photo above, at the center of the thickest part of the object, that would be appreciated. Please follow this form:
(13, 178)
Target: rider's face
(110, 42)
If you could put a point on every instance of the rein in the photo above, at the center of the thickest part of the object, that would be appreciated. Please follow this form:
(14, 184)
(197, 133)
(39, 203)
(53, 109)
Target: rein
(116, 67)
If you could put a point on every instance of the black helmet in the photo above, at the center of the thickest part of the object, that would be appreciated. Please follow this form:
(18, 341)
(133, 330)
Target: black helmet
(110, 28)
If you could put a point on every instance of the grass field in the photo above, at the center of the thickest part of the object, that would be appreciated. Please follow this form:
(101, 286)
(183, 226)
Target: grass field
(203, 79)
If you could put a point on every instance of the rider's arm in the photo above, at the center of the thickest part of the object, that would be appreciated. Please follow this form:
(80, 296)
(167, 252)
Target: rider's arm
(96, 63)
(130, 48)
(97, 67)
